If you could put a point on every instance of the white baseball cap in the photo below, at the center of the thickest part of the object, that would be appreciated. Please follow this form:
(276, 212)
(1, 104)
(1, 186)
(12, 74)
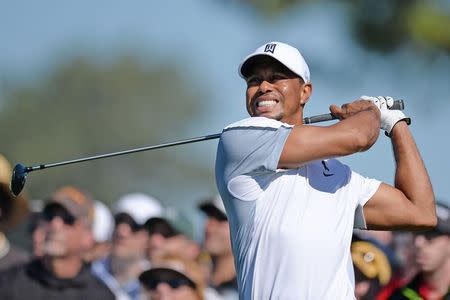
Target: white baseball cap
(140, 207)
(103, 224)
(289, 56)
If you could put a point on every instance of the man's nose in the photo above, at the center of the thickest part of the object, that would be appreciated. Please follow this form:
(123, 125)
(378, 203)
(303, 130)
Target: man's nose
(419, 241)
(265, 86)
(123, 229)
(56, 222)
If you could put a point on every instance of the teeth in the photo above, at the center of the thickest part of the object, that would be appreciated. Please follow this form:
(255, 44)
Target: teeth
(266, 103)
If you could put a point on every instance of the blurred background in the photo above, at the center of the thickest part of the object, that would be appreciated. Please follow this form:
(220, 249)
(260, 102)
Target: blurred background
(90, 77)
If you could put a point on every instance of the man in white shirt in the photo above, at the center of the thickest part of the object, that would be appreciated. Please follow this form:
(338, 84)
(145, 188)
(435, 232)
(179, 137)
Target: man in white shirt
(291, 206)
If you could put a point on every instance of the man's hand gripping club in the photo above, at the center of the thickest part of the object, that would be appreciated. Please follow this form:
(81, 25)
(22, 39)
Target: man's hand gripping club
(389, 117)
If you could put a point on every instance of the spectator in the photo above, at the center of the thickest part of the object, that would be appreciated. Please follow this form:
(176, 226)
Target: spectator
(36, 229)
(405, 268)
(128, 257)
(102, 229)
(217, 243)
(174, 278)
(164, 239)
(382, 239)
(159, 231)
(372, 269)
(433, 260)
(12, 211)
(60, 273)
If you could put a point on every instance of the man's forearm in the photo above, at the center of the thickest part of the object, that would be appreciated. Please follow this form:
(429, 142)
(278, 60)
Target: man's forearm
(411, 176)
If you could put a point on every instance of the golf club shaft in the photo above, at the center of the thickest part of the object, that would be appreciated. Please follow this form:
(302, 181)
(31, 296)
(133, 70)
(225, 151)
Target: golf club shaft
(398, 104)
(73, 161)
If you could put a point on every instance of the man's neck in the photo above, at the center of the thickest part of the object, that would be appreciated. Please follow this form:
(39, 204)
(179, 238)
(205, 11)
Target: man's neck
(438, 281)
(65, 267)
(223, 270)
(125, 270)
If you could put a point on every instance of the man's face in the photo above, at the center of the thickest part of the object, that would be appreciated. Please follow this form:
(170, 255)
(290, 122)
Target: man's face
(432, 251)
(63, 235)
(130, 240)
(165, 292)
(177, 245)
(275, 92)
(217, 237)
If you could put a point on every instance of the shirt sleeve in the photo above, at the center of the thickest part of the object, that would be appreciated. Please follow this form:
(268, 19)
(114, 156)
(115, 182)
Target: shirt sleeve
(251, 145)
(366, 188)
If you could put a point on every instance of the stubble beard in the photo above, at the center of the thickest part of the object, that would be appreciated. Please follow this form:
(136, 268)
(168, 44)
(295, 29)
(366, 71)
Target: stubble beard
(55, 248)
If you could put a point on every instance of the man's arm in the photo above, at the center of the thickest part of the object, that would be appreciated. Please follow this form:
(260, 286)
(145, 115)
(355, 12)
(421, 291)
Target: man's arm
(357, 131)
(410, 204)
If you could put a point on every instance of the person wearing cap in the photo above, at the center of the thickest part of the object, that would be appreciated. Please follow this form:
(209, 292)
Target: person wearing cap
(128, 256)
(102, 230)
(283, 188)
(372, 269)
(13, 210)
(432, 256)
(165, 239)
(218, 245)
(61, 272)
(173, 277)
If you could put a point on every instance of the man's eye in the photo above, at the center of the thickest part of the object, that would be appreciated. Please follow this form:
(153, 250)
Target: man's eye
(253, 81)
(276, 77)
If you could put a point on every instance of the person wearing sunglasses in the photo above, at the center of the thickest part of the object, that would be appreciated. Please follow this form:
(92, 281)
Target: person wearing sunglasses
(128, 256)
(432, 256)
(173, 278)
(60, 273)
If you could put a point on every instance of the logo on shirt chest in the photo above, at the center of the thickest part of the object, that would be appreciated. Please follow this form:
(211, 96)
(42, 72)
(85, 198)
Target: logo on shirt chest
(326, 172)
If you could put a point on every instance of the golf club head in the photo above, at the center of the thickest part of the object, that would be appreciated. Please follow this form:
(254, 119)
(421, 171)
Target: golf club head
(18, 179)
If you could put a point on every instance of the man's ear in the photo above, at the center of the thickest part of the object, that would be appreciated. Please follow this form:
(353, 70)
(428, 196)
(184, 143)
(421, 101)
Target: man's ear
(87, 239)
(305, 93)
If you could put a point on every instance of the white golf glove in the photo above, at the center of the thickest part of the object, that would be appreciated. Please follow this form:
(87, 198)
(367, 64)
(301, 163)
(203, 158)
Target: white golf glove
(389, 117)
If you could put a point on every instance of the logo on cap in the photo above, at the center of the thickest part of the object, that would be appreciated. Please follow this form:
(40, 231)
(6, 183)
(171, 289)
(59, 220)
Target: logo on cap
(270, 48)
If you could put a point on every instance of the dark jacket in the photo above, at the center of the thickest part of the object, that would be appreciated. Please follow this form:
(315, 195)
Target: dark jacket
(14, 257)
(34, 281)
(414, 290)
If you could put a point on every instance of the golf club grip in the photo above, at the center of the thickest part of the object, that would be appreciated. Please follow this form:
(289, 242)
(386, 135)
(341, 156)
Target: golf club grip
(398, 105)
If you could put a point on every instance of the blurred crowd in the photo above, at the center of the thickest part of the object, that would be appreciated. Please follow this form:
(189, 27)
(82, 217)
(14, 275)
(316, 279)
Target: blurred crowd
(83, 249)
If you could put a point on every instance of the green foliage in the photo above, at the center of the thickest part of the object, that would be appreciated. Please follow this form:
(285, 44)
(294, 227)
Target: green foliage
(386, 25)
(272, 8)
(430, 25)
(83, 109)
(382, 25)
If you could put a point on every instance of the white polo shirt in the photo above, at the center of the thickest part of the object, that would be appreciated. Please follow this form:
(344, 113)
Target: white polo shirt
(290, 229)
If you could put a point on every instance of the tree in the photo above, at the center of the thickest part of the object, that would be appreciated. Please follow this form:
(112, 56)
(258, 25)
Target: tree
(82, 109)
(383, 25)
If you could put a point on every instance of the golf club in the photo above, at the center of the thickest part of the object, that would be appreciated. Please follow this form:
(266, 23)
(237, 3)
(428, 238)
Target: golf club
(20, 172)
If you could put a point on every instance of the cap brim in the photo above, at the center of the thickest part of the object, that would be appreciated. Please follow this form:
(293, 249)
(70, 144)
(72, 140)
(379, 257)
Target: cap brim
(55, 204)
(161, 274)
(243, 72)
(443, 229)
(253, 58)
(157, 225)
(211, 210)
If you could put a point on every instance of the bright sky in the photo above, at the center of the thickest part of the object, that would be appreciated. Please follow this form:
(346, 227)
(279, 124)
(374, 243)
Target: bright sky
(211, 37)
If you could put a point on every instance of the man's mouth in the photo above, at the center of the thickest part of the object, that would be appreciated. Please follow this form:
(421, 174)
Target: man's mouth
(265, 103)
